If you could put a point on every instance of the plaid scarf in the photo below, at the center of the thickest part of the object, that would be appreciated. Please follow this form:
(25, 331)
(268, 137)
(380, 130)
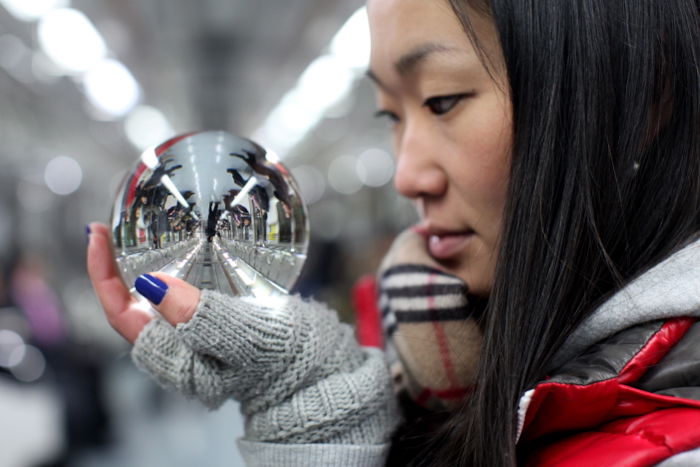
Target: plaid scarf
(433, 339)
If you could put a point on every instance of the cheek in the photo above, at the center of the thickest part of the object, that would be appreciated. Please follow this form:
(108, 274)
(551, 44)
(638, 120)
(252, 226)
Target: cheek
(489, 133)
(481, 170)
(477, 158)
(484, 168)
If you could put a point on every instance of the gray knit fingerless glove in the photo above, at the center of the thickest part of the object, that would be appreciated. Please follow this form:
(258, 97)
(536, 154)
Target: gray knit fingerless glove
(298, 372)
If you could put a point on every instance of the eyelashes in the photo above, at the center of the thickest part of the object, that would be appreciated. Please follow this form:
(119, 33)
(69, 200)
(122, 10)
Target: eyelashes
(387, 114)
(440, 105)
(437, 105)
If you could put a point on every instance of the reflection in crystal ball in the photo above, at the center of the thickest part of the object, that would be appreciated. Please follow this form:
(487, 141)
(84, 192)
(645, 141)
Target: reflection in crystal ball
(215, 210)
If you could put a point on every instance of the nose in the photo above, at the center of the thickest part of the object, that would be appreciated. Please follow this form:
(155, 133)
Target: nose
(418, 169)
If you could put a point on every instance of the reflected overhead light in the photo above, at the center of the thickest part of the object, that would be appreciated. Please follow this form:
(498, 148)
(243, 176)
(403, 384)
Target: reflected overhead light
(31, 10)
(244, 277)
(111, 88)
(68, 37)
(146, 126)
(63, 175)
(168, 182)
(252, 181)
(150, 158)
(272, 156)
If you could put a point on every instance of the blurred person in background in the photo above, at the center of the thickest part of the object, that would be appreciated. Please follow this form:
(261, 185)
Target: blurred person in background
(75, 374)
(543, 311)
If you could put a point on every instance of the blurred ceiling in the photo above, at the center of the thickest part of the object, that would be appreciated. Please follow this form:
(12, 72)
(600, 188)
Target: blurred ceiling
(205, 64)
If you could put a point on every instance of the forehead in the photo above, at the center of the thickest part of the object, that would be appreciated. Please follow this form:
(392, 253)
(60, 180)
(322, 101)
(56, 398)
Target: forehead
(407, 22)
(400, 29)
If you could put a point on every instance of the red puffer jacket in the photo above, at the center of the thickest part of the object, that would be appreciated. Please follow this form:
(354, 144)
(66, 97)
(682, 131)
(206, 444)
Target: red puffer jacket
(625, 388)
(630, 400)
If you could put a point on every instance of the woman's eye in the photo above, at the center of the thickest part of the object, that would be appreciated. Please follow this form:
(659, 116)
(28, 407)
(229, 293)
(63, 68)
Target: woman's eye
(440, 105)
(391, 116)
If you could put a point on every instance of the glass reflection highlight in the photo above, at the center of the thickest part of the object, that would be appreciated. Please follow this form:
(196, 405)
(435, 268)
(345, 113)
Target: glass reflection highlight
(212, 209)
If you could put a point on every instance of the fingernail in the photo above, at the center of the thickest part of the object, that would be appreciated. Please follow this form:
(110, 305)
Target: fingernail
(151, 287)
(87, 233)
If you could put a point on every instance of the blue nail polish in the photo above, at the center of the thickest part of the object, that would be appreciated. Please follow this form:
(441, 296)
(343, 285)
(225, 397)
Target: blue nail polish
(87, 233)
(151, 287)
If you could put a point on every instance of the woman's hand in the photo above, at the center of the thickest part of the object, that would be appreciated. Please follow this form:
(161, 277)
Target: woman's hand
(297, 371)
(126, 315)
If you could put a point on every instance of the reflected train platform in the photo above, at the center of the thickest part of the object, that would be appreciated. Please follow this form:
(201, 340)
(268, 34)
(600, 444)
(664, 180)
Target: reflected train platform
(233, 267)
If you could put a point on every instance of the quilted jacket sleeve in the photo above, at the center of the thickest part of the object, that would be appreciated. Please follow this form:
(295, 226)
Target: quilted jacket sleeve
(632, 401)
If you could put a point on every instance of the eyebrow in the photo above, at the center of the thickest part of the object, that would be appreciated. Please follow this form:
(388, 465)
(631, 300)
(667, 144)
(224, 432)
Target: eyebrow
(410, 60)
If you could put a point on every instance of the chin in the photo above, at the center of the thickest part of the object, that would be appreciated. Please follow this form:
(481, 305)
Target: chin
(478, 280)
(481, 290)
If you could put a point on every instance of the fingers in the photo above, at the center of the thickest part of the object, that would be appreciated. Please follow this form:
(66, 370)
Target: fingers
(122, 311)
(174, 298)
(105, 278)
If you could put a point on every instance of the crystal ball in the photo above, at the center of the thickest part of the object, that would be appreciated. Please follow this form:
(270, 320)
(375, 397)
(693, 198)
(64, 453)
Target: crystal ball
(215, 210)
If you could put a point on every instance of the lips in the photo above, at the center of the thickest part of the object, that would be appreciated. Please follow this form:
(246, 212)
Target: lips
(447, 246)
(442, 243)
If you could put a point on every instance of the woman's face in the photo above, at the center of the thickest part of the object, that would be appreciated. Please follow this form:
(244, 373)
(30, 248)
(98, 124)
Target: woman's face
(451, 129)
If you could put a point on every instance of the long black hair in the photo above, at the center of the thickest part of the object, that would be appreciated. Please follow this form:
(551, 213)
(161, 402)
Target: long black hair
(605, 182)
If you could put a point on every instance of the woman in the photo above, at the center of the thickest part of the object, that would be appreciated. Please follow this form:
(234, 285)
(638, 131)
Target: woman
(554, 154)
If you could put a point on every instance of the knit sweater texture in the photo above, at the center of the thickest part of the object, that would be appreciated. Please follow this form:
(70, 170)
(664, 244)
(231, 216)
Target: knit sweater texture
(300, 376)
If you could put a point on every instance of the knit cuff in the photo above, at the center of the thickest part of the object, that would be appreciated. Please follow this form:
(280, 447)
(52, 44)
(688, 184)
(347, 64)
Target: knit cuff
(234, 329)
(161, 354)
(258, 454)
(355, 407)
(274, 347)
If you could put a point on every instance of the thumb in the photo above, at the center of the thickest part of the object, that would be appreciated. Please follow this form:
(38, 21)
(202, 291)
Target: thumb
(175, 299)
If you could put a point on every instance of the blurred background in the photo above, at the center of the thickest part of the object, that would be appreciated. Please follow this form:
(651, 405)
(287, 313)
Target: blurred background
(85, 86)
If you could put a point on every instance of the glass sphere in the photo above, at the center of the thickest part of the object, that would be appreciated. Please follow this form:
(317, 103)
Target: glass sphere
(215, 210)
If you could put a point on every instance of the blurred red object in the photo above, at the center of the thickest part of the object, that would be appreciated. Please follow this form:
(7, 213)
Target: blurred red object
(367, 313)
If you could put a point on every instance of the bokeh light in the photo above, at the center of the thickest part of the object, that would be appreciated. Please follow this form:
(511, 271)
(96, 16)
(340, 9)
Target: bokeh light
(27, 363)
(111, 88)
(375, 167)
(342, 176)
(311, 183)
(31, 10)
(69, 38)
(63, 175)
(146, 126)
